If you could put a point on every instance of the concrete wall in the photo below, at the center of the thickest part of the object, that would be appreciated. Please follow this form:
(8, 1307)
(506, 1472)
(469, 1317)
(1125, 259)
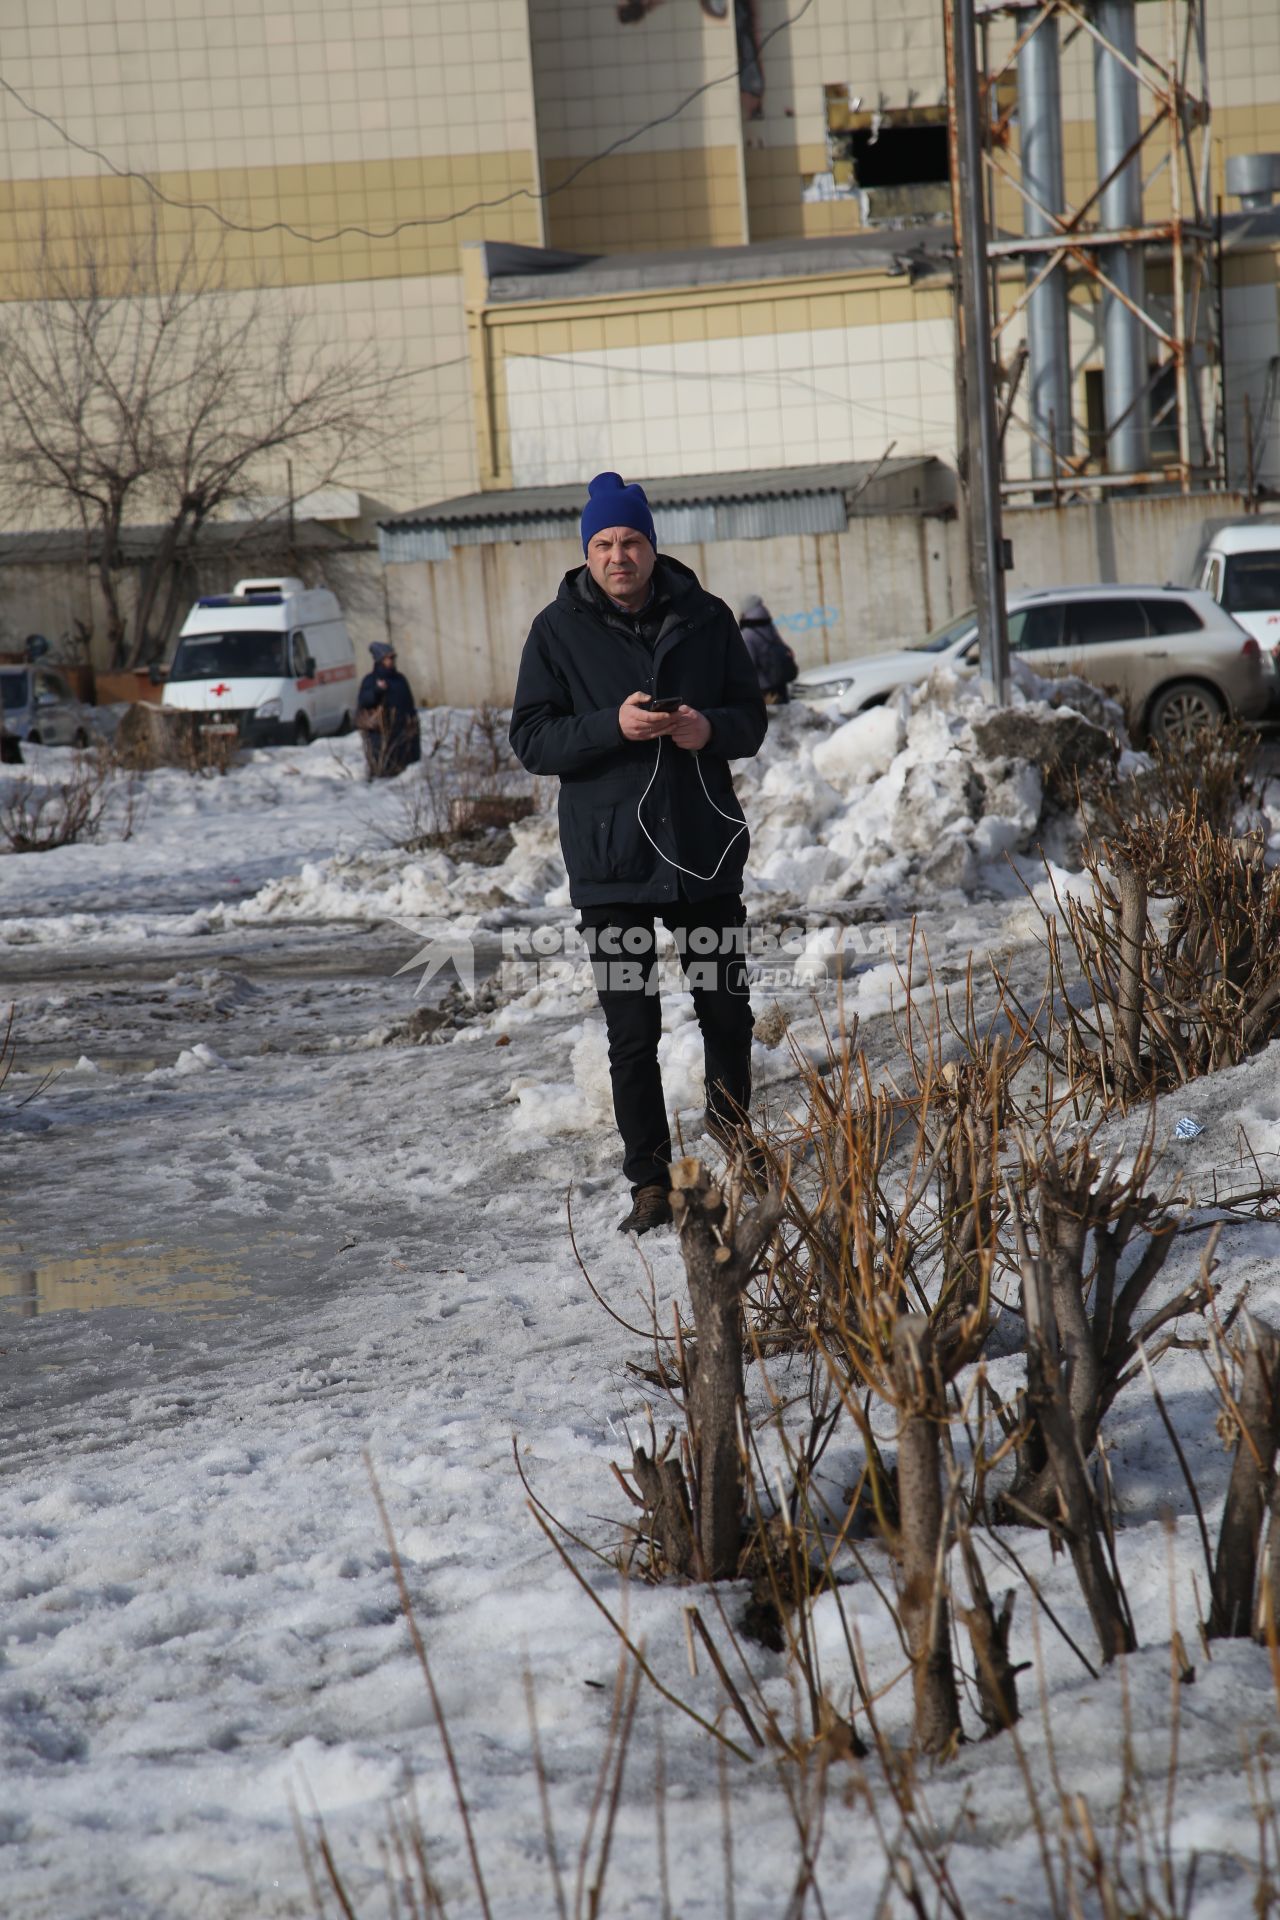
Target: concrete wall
(60, 598)
(460, 623)
(1130, 541)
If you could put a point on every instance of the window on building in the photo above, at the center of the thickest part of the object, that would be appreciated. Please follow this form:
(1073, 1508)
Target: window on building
(1162, 398)
(1164, 414)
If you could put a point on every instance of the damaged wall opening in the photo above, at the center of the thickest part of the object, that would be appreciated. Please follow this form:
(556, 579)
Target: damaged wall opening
(898, 156)
(895, 161)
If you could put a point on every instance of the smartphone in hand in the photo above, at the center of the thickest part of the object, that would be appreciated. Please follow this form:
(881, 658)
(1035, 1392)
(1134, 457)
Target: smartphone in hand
(670, 703)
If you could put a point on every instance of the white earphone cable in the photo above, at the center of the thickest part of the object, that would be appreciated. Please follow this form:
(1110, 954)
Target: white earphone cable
(739, 826)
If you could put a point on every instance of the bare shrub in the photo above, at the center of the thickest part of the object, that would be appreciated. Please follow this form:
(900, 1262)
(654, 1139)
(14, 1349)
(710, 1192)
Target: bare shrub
(36, 816)
(700, 1526)
(1051, 1380)
(893, 1290)
(466, 787)
(486, 745)
(1092, 1328)
(1166, 997)
(1217, 779)
(149, 737)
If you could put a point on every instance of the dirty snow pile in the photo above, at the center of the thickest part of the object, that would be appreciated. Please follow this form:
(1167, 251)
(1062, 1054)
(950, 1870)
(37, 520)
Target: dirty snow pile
(920, 796)
(906, 802)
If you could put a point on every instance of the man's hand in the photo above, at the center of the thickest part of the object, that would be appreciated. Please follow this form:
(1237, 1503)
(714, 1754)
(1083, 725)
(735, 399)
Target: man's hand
(637, 724)
(691, 730)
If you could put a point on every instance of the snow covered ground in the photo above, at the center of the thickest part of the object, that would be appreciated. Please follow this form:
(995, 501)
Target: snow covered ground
(255, 1241)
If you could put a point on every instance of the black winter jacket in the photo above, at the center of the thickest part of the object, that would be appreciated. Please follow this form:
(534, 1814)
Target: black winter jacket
(578, 666)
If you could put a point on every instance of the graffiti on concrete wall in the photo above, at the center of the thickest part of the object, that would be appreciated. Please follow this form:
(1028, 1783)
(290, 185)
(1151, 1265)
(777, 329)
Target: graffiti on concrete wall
(809, 620)
(750, 60)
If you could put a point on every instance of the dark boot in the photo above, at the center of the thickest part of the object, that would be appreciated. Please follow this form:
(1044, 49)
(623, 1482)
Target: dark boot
(650, 1208)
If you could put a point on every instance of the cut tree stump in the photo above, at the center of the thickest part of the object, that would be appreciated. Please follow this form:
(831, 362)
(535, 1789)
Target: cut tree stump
(661, 1483)
(721, 1246)
(925, 1609)
(150, 736)
(1049, 1383)
(473, 812)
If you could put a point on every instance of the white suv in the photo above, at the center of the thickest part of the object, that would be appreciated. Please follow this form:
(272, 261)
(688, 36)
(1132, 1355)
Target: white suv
(1181, 662)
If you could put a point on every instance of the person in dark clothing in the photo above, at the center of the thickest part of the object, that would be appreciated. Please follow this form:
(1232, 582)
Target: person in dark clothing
(387, 716)
(649, 822)
(772, 658)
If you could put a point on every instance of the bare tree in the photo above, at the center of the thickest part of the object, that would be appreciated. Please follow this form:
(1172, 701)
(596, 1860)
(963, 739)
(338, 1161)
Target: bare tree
(137, 389)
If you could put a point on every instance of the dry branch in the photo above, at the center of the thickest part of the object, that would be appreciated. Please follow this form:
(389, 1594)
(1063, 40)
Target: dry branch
(989, 1638)
(1167, 1000)
(1256, 1414)
(1048, 1395)
(1082, 1205)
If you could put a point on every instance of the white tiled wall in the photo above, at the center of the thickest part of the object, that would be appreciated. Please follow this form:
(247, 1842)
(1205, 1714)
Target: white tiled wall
(792, 399)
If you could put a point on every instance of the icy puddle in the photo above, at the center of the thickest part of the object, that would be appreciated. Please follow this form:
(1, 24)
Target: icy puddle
(120, 1273)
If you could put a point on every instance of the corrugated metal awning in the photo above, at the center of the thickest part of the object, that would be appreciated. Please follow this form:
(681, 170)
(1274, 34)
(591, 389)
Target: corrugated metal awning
(687, 512)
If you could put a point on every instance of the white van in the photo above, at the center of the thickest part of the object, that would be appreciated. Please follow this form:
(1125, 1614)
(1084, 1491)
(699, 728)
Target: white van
(271, 657)
(1240, 567)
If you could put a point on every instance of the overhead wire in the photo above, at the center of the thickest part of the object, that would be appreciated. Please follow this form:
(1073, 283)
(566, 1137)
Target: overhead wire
(779, 376)
(413, 221)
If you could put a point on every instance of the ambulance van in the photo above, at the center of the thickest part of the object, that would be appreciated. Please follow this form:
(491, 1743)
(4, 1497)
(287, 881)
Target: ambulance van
(271, 658)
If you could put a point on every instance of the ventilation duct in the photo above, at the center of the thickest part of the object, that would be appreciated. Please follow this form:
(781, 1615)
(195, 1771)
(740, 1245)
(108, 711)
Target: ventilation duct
(1124, 336)
(1048, 337)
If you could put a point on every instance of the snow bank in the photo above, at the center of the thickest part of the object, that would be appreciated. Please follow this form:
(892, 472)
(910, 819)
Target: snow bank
(900, 801)
(903, 804)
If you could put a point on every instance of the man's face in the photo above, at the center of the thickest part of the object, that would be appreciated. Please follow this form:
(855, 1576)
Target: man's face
(622, 562)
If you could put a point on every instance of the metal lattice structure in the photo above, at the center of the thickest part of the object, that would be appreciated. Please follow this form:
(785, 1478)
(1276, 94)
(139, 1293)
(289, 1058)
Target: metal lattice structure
(1152, 134)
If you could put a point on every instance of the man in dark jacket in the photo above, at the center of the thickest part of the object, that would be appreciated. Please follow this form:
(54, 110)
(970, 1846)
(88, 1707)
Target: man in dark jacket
(649, 822)
(387, 717)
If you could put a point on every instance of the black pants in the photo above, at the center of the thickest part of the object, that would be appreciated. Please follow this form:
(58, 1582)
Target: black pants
(709, 945)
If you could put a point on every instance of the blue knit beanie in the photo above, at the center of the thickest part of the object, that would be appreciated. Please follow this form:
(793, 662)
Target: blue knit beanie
(614, 505)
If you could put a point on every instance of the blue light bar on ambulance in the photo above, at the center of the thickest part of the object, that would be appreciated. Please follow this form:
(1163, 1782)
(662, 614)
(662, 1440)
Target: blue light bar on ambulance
(241, 600)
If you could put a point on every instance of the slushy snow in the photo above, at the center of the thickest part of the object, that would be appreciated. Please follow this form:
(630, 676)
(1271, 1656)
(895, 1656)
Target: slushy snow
(259, 1242)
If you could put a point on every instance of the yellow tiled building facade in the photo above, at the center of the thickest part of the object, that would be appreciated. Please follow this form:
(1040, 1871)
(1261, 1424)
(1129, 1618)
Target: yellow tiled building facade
(348, 152)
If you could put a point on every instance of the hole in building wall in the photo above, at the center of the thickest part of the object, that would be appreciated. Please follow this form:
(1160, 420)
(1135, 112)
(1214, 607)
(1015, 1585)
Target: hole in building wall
(900, 156)
(894, 161)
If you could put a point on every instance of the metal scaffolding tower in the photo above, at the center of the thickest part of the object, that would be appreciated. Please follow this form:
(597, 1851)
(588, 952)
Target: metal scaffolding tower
(1099, 259)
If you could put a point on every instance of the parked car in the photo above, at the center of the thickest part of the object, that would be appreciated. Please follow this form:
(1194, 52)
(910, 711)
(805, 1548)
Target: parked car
(40, 707)
(1240, 567)
(272, 658)
(1179, 658)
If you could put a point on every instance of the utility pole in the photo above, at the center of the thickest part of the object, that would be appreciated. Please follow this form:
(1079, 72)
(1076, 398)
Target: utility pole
(988, 551)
